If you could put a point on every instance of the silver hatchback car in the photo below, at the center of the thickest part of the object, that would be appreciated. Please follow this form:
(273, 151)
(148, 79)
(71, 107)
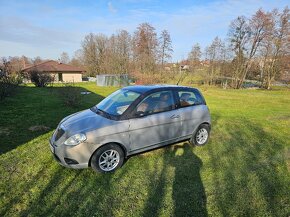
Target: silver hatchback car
(131, 120)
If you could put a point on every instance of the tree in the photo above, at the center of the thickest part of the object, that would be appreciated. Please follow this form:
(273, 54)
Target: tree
(118, 52)
(124, 48)
(275, 46)
(238, 37)
(194, 56)
(145, 47)
(101, 45)
(64, 58)
(90, 53)
(5, 67)
(37, 60)
(78, 58)
(165, 46)
(246, 36)
(215, 54)
(102, 54)
(94, 48)
(121, 47)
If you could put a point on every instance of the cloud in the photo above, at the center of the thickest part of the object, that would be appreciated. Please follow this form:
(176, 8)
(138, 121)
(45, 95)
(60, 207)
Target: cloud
(52, 29)
(112, 9)
(20, 30)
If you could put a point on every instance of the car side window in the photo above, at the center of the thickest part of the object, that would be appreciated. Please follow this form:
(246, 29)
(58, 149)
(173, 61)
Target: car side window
(188, 98)
(155, 103)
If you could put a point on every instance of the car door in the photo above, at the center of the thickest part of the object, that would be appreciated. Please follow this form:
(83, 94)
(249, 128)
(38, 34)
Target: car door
(158, 122)
(191, 110)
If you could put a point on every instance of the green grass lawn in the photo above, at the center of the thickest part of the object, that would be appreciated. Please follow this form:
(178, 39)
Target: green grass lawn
(243, 171)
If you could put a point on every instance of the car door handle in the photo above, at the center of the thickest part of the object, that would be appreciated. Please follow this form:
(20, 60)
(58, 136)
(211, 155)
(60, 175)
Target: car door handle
(175, 116)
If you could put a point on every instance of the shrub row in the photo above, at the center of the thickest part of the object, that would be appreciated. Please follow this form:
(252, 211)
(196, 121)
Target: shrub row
(8, 85)
(40, 79)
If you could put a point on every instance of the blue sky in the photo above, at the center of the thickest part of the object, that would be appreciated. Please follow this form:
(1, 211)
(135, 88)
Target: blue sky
(47, 28)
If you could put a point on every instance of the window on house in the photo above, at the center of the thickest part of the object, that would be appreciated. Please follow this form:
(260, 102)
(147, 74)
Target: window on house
(60, 77)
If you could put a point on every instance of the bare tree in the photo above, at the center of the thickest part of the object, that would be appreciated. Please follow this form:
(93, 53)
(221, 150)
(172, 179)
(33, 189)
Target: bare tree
(37, 60)
(215, 54)
(194, 56)
(101, 45)
(5, 67)
(145, 47)
(78, 58)
(64, 58)
(246, 37)
(12, 65)
(275, 46)
(90, 54)
(119, 52)
(107, 55)
(238, 36)
(165, 46)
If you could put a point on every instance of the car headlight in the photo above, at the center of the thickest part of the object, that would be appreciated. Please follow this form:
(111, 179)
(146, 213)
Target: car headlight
(75, 139)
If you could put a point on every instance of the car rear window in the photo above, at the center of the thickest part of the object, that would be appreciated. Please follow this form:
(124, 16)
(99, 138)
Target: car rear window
(189, 98)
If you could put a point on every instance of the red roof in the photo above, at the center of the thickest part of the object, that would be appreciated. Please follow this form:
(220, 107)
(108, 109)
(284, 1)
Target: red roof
(53, 66)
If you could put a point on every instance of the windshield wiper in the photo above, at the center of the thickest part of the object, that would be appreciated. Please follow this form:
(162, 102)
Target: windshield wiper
(101, 112)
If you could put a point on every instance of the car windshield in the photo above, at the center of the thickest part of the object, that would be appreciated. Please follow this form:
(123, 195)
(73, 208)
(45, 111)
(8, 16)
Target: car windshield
(117, 103)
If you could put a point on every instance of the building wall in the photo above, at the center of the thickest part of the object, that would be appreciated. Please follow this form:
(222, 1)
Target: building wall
(66, 77)
(72, 77)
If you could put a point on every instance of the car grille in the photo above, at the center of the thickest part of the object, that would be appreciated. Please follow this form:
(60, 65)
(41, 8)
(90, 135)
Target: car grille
(59, 133)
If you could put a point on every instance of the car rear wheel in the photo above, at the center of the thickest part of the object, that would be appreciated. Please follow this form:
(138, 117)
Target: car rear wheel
(201, 136)
(108, 158)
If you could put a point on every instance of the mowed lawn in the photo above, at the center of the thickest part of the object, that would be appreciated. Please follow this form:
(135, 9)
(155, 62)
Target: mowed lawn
(243, 171)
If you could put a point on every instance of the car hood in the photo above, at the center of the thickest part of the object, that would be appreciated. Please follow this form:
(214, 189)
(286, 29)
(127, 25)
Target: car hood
(84, 121)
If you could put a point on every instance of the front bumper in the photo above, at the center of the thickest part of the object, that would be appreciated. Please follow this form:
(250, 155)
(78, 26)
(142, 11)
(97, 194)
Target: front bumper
(65, 156)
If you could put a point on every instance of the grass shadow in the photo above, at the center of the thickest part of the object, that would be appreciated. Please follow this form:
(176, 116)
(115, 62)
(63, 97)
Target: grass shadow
(35, 111)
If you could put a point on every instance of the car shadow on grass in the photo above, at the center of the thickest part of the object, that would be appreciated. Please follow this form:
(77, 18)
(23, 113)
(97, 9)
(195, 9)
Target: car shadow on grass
(188, 193)
(35, 111)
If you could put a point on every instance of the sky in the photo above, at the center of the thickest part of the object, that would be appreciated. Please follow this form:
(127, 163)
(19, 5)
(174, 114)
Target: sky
(46, 28)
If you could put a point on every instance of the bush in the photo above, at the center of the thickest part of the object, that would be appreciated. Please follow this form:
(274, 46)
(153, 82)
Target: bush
(70, 95)
(40, 79)
(8, 85)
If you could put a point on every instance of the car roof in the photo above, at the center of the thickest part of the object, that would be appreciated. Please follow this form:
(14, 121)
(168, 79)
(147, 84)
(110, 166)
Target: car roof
(146, 88)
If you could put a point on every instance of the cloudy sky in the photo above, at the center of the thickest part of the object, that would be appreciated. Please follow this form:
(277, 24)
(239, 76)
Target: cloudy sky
(46, 28)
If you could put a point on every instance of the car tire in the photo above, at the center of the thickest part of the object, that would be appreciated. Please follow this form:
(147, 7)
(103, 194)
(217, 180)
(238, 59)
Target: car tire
(201, 135)
(107, 158)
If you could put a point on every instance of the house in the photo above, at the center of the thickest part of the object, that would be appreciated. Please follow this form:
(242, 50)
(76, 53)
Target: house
(59, 71)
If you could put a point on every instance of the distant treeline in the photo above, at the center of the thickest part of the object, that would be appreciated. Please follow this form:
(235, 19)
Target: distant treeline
(256, 47)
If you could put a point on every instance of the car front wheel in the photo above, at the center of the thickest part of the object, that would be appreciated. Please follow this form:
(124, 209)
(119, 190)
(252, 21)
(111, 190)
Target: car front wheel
(201, 136)
(107, 158)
